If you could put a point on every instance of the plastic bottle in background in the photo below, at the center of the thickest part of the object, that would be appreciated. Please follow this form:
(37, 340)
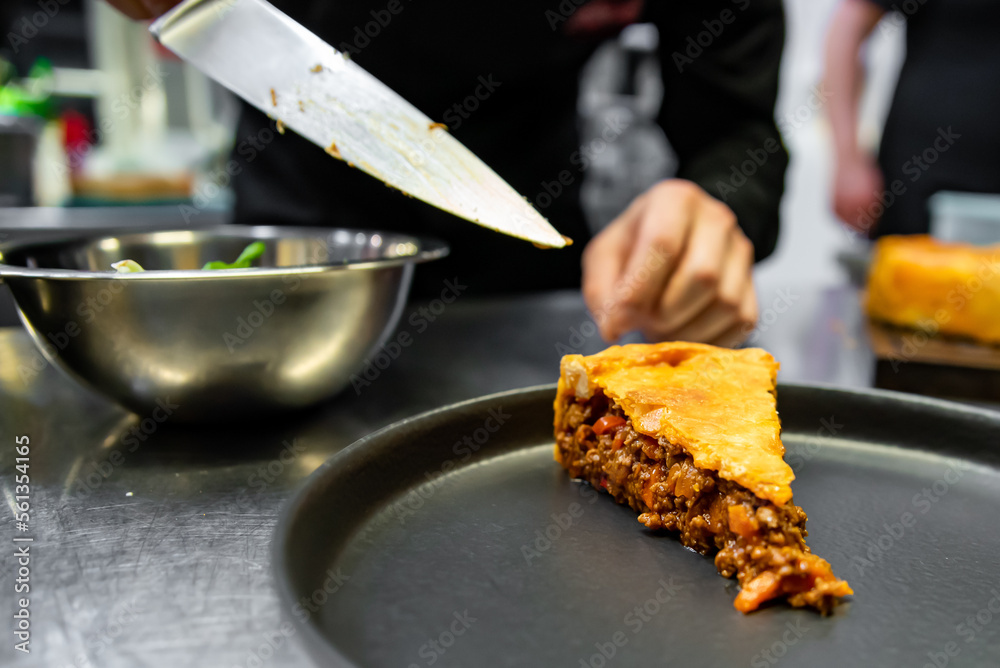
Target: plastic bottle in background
(621, 91)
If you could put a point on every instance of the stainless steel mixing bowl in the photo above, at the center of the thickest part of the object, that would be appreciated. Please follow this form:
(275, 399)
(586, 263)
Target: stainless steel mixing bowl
(215, 344)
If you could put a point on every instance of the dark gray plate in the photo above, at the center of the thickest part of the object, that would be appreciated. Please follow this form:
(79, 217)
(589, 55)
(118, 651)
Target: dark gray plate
(436, 542)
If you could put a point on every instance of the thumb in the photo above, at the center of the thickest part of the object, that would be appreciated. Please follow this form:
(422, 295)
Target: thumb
(604, 262)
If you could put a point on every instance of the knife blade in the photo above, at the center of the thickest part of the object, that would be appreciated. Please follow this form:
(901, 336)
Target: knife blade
(278, 66)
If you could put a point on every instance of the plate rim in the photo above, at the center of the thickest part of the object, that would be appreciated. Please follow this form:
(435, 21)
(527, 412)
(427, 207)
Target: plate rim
(316, 643)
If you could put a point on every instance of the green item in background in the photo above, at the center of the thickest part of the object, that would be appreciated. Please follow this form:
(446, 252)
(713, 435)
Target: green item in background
(31, 96)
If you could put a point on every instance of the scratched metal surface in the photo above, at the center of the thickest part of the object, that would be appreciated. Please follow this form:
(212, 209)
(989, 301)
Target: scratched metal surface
(165, 560)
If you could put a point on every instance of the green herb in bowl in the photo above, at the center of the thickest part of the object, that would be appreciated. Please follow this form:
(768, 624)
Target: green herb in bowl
(127, 267)
(249, 254)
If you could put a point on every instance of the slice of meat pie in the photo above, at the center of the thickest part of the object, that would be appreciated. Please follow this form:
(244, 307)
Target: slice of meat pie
(688, 435)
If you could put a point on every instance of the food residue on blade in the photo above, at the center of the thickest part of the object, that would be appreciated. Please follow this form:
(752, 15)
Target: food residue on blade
(318, 67)
(302, 106)
(334, 151)
(437, 126)
(279, 126)
(274, 98)
(567, 240)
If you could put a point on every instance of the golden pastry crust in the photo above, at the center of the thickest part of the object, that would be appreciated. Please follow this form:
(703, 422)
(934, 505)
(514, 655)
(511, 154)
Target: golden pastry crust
(717, 404)
(920, 282)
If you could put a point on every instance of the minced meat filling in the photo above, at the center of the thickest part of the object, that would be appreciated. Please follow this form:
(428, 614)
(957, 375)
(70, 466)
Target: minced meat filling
(749, 535)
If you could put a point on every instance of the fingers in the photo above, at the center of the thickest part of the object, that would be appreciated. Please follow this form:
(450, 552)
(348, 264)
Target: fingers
(731, 308)
(661, 236)
(745, 323)
(626, 267)
(720, 324)
(675, 265)
(699, 277)
(604, 261)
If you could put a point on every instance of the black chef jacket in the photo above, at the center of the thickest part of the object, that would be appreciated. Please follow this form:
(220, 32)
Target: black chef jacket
(942, 131)
(504, 77)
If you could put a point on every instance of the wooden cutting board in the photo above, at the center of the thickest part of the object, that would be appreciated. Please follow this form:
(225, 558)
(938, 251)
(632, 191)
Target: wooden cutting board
(897, 345)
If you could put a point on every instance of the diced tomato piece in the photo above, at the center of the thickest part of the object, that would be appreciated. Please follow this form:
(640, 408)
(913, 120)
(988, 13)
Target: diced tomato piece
(647, 492)
(607, 423)
(741, 523)
(647, 497)
(764, 587)
(619, 440)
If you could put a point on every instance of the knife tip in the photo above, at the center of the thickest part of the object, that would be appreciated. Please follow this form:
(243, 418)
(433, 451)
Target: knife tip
(567, 241)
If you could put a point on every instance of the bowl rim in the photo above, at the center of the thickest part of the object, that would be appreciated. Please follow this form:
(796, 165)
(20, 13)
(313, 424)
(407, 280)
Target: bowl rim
(429, 248)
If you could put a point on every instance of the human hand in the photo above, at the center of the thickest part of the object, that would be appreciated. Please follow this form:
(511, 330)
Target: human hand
(142, 10)
(857, 185)
(675, 266)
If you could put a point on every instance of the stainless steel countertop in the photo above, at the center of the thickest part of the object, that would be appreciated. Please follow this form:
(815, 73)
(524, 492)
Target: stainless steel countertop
(155, 550)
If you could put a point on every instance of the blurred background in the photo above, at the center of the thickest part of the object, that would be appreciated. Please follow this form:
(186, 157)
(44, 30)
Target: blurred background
(99, 126)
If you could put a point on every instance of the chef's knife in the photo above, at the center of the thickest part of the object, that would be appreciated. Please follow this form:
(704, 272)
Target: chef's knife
(281, 68)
